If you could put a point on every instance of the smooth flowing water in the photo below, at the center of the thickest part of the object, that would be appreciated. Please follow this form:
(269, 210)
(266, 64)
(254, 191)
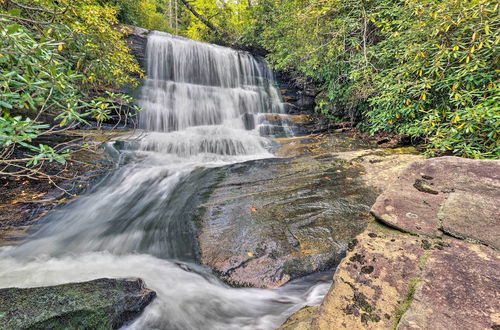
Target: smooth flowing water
(203, 107)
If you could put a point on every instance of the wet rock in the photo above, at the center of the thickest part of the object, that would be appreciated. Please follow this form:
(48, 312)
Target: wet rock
(137, 39)
(281, 219)
(298, 95)
(280, 125)
(449, 195)
(98, 304)
(300, 320)
(381, 166)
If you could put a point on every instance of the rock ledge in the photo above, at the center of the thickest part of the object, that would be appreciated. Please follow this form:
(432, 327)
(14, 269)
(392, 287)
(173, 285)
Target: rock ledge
(435, 266)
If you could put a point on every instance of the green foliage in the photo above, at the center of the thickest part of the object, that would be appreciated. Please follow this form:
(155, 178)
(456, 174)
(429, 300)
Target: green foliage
(231, 18)
(441, 76)
(53, 58)
(418, 67)
(148, 14)
(17, 130)
(34, 75)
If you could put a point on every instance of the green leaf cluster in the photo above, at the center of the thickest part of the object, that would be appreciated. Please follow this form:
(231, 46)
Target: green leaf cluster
(425, 68)
(55, 55)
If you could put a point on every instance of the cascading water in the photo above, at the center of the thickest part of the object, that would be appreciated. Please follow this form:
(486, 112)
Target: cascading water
(203, 107)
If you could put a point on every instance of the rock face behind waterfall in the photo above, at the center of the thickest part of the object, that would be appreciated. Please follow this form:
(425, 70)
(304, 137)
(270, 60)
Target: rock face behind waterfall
(99, 304)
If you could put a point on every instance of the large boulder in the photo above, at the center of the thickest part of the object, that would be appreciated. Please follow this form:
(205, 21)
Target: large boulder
(98, 304)
(447, 195)
(436, 266)
(269, 221)
(394, 280)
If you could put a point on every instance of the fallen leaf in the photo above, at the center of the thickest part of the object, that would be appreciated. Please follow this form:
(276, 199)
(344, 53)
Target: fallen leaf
(253, 209)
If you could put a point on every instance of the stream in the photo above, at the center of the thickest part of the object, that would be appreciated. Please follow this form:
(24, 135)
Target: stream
(204, 107)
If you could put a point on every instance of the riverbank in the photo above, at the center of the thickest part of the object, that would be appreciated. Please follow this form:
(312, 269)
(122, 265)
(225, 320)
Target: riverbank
(24, 200)
(230, 236)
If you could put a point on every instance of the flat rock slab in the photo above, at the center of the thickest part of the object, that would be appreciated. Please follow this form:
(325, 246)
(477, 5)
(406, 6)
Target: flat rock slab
(269, 221)
(459, 289)
(393, 280)
(452, 195)
(98, 304)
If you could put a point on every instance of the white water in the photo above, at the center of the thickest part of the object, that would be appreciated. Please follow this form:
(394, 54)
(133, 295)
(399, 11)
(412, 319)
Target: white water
(201, 109)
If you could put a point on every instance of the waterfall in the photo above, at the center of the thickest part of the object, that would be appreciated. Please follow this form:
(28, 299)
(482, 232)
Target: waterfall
(204, 107)
(200, 98)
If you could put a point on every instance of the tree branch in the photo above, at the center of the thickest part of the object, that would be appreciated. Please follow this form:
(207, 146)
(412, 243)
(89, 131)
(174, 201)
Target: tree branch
(200, 17)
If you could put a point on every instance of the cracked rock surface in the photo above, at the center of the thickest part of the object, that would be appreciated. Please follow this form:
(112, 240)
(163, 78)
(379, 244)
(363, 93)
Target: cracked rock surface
(456, 196)
(437, 264)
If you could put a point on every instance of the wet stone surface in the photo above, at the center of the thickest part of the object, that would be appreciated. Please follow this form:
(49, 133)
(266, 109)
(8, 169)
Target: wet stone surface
(270, 221)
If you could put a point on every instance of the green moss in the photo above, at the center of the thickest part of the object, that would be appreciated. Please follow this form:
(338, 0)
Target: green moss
(364, 305)
(403, 150)
(207, 192)
(204, 196)
(75, 320)
(403, 307)
(423, 260)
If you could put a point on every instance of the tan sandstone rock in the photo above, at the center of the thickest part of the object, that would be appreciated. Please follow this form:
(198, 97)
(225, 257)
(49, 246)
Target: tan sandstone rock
(451, 195)
(444, 275)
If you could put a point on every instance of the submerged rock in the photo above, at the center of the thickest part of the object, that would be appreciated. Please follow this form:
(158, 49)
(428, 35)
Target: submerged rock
(98, 304)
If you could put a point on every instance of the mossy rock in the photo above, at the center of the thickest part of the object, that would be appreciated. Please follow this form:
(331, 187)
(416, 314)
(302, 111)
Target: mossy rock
(98, 304)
